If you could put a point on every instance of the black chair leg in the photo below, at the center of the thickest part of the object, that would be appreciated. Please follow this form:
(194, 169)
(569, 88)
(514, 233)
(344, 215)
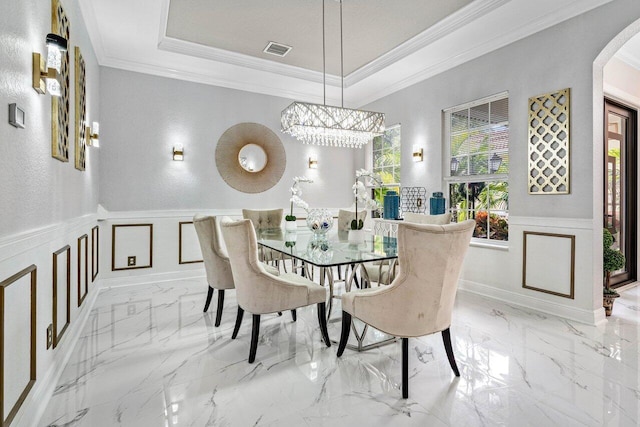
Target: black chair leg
(220, 305)
(344, 335)
(322, 319)
(209, 296)
(294, 315)
(255, 331)
(405, 368)
(236, 328)
(446, 338)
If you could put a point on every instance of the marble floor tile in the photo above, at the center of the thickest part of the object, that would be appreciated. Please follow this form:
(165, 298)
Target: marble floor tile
(148, 356)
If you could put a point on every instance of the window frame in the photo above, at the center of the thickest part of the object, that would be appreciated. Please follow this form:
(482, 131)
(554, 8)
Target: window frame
(398, 166)
(478, 178)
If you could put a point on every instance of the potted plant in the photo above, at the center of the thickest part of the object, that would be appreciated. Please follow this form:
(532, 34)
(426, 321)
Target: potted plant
(356, 234)
(612, 260)
(296, 192)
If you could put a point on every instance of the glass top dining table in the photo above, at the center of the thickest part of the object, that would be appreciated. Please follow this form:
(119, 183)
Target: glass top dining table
(329, 250)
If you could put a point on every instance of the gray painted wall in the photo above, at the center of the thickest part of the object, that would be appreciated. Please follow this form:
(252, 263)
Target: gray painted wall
(144, 116)
(559, 57)
(38, 190)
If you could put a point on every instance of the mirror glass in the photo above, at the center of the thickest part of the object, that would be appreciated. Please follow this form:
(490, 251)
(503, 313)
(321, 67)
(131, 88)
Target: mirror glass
(252, 158)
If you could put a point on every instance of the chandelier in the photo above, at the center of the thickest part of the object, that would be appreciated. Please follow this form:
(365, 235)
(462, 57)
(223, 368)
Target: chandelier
(322, 124)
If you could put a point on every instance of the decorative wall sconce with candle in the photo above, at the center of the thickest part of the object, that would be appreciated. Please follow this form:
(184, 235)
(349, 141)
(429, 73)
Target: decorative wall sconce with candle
(46, 74)
(178, 152)
(417, 154)
(313, 162)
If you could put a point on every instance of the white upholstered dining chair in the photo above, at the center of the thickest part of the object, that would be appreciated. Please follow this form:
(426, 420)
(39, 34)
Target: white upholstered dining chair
(345, 217)
(216, 261)
(420, 299)
(260, 292)
(417, 218)
(266, 219)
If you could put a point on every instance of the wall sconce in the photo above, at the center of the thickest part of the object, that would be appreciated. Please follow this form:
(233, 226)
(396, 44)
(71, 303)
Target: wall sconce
(93, 134)
(178, 152)
(313, 163)
(46, 74)
(417, 154)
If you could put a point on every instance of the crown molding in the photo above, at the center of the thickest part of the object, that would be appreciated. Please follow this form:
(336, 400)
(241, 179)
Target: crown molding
(437, 31)
(91, 24)
(569, 11)
(420, 58)
(210, 79)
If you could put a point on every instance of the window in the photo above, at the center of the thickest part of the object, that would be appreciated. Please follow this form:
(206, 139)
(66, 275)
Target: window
(386, 162)
(477, 136)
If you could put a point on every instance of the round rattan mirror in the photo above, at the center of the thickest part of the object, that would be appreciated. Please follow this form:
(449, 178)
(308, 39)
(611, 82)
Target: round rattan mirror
(242, 138)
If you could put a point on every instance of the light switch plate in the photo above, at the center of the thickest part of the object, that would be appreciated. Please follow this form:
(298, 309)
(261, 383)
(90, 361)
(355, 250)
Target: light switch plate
(16, 116)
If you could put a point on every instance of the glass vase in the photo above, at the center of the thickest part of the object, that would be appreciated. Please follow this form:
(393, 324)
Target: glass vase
(320, 221)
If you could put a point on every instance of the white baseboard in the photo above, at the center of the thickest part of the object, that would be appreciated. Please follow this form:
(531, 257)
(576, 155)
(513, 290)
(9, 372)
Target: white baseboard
(593, 317)
(116, 282)
(36, 403)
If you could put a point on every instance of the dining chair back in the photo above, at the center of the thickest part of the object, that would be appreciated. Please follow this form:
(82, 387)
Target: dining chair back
(216, 259)
(420, 299)
(260, 292)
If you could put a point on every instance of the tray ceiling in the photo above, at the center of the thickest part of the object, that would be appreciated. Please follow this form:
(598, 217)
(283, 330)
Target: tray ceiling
(388, 44)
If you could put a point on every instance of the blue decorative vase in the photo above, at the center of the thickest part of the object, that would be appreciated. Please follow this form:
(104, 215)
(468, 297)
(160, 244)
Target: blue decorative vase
(436, 204)
(391, 205)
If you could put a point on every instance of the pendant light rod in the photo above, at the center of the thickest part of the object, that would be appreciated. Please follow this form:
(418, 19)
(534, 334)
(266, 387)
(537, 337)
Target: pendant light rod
(324, 61)
(327, 125)
(341, 61)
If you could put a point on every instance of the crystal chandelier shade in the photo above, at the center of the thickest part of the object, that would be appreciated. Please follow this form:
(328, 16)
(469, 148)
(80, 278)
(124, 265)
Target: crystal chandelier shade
(321, 124)
(332, 126)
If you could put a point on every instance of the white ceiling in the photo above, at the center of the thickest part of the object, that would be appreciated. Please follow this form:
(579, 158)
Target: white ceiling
(630, 52)
(388, 44)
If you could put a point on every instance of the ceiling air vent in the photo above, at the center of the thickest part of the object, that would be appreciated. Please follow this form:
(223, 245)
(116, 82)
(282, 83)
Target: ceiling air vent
(277, 49)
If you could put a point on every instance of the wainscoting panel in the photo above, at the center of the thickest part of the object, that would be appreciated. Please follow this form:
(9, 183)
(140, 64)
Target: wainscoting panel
(95, 252)
(188, 246)
(83, 268)
(17, 343)
(61, 309)
(549, 263)
(131, 246)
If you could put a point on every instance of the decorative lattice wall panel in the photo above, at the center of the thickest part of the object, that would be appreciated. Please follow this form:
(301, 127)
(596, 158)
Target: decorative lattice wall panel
(413, 199)
(549, 123)
(81, 108)
(60, 105)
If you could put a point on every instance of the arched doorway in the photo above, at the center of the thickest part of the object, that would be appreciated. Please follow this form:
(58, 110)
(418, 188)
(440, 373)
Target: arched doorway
(615, 154)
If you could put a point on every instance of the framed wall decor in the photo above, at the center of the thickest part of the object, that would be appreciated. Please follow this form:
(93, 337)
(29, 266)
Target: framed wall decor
(81, 109)
(17, 347)
(549, 137)
(61, 309)
(549, 263)
(83, 267)
(60, 105)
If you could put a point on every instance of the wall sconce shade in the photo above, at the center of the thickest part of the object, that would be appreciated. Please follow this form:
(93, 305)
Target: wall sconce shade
(46, 73)
(313, 163)
(417, 154)
(178, 152)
